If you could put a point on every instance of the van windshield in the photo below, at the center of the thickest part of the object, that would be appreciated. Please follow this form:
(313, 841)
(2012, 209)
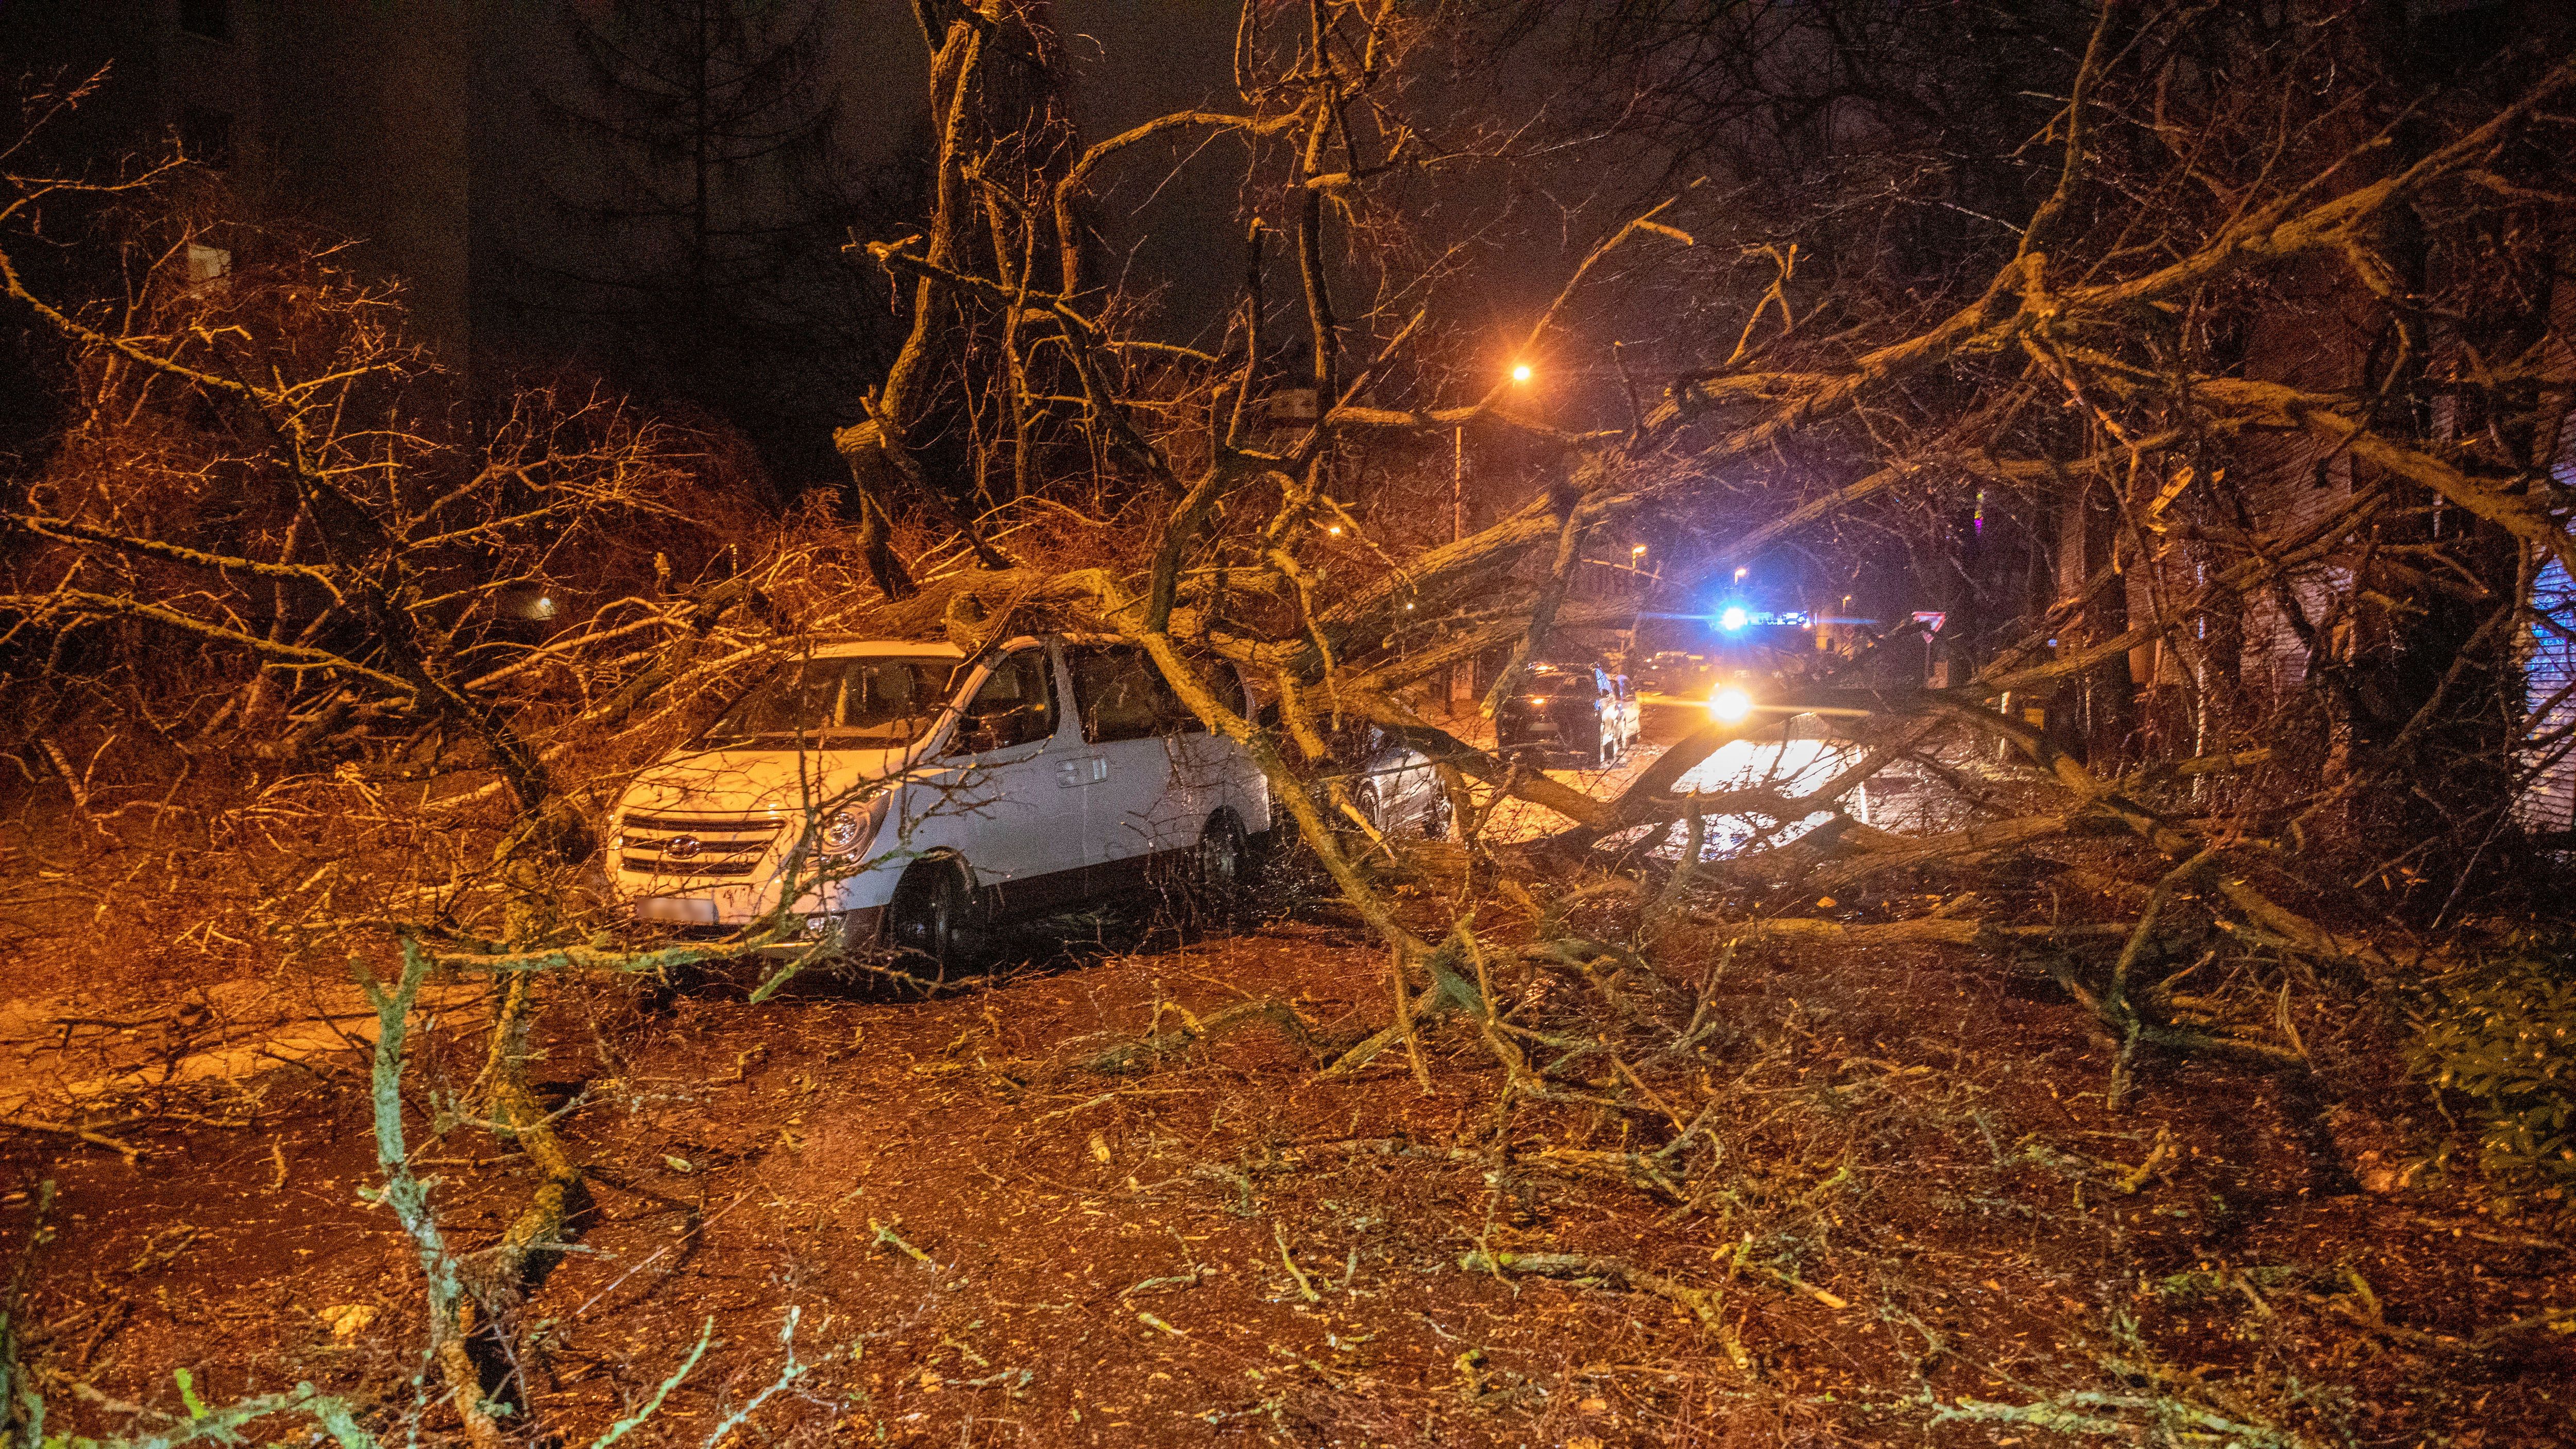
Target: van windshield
(1562, 686)
(850, 703)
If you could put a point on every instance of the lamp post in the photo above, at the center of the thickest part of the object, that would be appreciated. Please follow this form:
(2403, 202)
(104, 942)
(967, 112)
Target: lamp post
(1464, 670)
(1458, 486)
(1637, 620)
(1458, 534)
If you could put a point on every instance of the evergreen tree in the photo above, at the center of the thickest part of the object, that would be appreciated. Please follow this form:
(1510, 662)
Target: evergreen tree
(711, 187)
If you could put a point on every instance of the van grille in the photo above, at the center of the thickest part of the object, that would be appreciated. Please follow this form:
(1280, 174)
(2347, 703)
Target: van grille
(712, 848)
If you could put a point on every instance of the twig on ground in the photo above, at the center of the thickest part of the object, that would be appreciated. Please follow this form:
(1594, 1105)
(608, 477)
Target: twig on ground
(1305, 1288)
(887, 1237)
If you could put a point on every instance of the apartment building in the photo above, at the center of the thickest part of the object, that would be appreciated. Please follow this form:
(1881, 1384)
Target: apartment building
(357, 113)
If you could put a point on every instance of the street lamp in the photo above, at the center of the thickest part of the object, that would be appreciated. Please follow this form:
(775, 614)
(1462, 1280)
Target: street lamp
(1739, 575)
(1461, 673)
(1520, 372)
(1638, 552)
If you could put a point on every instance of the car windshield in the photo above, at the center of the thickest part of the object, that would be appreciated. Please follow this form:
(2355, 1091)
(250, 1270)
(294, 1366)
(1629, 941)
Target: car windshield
(1562, 686)
(849, 703)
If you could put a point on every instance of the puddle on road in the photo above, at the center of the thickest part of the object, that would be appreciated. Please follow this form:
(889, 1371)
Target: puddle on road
(67, 1053)
(1893, 800)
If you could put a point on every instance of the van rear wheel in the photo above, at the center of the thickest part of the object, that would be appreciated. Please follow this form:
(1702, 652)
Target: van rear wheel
(1220, 867)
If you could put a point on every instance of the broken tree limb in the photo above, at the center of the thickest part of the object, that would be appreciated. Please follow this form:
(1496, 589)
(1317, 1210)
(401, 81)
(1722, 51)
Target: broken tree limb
(519, 1119)
(100, 1139)
(1701, 1303)
(450, 1304)
(1922, 930)
(1128, 1056)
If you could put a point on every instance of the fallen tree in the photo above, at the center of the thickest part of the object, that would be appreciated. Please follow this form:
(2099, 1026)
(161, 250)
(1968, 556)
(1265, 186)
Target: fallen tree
(347, 620)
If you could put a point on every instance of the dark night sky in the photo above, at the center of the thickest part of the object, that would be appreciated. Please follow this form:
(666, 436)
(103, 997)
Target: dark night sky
(1132, 59)
(1136, 59)
(1173, 236)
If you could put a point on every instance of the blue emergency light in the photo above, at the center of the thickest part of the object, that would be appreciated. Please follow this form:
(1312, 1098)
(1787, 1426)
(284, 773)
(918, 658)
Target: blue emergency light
(1736, 618)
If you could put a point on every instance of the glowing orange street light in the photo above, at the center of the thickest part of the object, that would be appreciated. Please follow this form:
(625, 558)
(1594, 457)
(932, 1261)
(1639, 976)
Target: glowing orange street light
(1520, 372)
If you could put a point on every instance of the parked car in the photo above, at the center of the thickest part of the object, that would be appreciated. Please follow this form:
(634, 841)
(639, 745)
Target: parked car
(1393, 786)
(1576, 709)
(907, 794)
(1672, 671)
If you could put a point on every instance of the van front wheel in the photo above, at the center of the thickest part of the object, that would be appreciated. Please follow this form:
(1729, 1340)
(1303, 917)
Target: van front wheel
(929, 916)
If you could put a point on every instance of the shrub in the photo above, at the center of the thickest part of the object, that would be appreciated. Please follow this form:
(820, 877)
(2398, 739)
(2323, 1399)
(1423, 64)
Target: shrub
(2504, 1034)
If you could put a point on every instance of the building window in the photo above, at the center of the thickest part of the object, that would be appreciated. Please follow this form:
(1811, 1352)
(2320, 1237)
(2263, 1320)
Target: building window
(206, 137)
(212, 19)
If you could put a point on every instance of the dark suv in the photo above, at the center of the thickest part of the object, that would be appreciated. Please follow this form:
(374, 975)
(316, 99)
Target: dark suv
(1568, 709)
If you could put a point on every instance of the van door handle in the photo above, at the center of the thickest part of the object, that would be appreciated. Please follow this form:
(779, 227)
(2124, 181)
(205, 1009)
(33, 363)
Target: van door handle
(1082, 770)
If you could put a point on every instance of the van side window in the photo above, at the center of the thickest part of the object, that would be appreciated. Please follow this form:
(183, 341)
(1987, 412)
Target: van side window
(1016, 706)
(1121, 695)
(1177, 718)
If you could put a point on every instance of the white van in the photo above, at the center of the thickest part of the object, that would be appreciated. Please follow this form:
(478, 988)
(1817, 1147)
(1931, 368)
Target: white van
(903, 792)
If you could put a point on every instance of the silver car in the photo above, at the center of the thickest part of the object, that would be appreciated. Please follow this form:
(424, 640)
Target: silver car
(1392, 785)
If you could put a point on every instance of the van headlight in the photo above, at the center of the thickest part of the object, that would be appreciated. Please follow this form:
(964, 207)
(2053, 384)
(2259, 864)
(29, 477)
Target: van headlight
(842, 833)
